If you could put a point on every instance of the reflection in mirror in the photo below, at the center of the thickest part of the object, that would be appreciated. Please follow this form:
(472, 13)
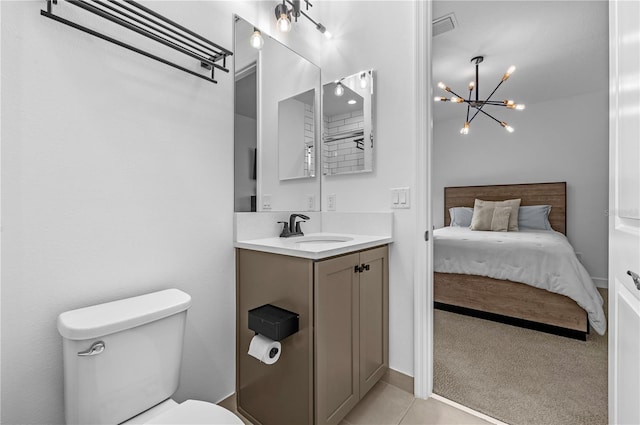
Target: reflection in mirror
(348, 124)
(277, 101)
(296, 136)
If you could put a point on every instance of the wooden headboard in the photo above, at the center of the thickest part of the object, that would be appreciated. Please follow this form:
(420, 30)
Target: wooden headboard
(554, 194)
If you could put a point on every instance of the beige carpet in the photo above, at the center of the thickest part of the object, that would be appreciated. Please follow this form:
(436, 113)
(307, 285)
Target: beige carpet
(520, 376)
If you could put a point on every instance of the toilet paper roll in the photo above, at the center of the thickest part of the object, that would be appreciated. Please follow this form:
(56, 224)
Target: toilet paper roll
(265, 349)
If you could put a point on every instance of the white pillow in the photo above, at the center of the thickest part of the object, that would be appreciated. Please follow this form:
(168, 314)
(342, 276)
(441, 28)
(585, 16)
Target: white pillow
(513, 203)
(495, 219)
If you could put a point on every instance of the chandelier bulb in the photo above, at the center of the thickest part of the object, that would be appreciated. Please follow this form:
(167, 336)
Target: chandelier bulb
(457, 99)
(472, 85)
(506, 126)
(507, 74)
(519, 107)
(465, 129)
(339, 91)
(440, 99)
(443, 86)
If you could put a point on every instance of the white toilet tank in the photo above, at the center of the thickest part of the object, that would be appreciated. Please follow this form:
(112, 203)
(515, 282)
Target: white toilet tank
(122, 357)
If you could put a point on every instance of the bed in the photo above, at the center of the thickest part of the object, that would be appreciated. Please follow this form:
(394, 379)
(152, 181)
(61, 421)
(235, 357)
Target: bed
(558, 296)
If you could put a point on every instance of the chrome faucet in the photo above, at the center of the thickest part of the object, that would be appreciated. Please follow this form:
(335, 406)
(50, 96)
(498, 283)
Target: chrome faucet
(292, 228)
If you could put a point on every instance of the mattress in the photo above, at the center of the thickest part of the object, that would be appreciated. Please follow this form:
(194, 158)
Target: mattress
(540, 258)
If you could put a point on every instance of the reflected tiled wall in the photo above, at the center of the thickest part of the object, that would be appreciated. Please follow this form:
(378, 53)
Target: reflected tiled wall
(346, 155)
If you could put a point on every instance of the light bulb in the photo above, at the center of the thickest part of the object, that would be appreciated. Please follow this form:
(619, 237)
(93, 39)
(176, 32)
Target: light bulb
(439, 99)
(465, 129)
(327, 34)
(456, 99)
(471, 85)
(506, 126)
(363, 80)
(442, 85)
(520, 107)
(284, 23)
(256, 40)
(351, 102)
(509, 103)
(339, 91)
(507, 74)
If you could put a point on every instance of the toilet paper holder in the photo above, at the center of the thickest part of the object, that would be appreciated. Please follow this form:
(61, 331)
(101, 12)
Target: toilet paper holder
(273, 322)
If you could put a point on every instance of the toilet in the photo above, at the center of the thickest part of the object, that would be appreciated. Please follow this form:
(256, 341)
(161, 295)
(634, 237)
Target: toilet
(122, 363)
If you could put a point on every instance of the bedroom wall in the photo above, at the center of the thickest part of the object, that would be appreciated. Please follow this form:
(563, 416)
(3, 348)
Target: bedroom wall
(560, 140)
(117, 179)
(360, 44)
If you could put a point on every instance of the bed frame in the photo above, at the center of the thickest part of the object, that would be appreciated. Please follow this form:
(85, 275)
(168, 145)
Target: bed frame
(502, 300)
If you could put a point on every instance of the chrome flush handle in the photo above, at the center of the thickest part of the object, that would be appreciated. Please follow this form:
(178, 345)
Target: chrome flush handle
(95, 349)
(635, 277)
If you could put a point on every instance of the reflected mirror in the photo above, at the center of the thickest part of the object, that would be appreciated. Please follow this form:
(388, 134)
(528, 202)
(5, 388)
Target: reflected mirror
(276, 125)
(347, 134)
(296, 136)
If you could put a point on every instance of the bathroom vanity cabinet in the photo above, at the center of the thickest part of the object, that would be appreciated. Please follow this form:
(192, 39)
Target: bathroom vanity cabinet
(341, 348)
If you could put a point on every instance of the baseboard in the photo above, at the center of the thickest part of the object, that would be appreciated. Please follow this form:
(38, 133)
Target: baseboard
(467, 410)
(600, 282)
(398, 380)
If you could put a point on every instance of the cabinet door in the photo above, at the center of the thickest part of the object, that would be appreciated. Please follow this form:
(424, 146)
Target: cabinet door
(337, 336)
(374, 321)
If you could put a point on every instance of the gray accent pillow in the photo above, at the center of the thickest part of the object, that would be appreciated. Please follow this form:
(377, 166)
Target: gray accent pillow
(534, 217)
(460, 216)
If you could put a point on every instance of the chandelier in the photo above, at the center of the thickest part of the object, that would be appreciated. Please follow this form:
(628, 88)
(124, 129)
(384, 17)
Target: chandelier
(477, 106)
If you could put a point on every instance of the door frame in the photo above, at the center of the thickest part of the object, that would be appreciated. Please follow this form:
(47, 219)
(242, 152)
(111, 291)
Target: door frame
(423, 256)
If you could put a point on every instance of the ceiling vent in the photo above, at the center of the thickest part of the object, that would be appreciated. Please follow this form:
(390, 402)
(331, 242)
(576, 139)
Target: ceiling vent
(443, 24)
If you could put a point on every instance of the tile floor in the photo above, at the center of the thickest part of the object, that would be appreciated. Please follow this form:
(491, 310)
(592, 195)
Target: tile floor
(386, 404)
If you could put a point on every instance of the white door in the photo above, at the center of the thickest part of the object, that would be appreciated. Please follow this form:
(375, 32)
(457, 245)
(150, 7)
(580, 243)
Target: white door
(624, 210)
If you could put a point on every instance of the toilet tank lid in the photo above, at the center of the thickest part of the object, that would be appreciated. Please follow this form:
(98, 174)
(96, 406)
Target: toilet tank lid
(104, 319)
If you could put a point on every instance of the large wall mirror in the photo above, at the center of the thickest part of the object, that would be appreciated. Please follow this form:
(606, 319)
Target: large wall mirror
(276, 125)
(347, 134)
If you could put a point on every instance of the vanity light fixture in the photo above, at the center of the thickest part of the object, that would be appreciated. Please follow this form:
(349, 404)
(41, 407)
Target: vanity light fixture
(477, 104)
(339, 90)
(256, 39)
(284, 14)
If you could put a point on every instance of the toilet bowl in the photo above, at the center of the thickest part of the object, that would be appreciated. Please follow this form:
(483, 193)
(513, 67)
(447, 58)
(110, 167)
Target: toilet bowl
(122, 363)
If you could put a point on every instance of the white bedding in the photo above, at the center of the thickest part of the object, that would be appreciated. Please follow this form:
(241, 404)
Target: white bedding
(541, 258)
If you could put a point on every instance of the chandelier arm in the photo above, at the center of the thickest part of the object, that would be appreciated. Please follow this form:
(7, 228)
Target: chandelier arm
(489, 115)
(468, 108)
(456, 94)
(484, 103)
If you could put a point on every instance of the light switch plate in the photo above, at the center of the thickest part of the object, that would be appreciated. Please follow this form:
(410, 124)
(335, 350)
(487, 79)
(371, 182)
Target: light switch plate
(400, 197)
(331, 202)
(311, 202)
(266, 202)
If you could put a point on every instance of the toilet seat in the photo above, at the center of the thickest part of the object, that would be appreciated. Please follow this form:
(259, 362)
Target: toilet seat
(193, 412)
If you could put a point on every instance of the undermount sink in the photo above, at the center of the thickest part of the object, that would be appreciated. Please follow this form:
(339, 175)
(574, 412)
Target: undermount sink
(321, 239)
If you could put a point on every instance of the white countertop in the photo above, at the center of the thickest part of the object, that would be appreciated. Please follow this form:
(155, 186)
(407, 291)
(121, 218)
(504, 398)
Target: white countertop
(301, 246)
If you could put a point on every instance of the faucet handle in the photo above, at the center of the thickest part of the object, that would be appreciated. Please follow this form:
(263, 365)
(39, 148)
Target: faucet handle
(285, 229)
(298, 229)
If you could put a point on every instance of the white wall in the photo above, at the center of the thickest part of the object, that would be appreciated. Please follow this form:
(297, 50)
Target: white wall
(117, 180)
(560, 140)
(360, 44)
